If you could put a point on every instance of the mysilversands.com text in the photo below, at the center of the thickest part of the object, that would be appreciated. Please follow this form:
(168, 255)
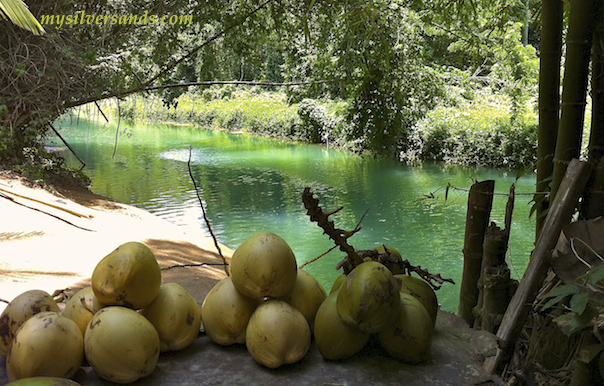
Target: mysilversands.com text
(82, 18)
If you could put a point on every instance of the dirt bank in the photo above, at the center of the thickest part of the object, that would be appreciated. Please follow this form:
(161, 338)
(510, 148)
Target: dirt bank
(53, 240)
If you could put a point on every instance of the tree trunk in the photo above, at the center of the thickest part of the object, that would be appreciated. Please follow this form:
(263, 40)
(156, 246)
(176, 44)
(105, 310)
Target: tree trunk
(549, 100)
(582, 21)
(480, 201)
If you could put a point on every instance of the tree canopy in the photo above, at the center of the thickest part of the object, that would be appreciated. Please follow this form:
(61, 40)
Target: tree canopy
(391, 59)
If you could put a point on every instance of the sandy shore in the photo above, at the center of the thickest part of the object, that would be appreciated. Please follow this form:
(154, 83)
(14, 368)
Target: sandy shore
(53, 241)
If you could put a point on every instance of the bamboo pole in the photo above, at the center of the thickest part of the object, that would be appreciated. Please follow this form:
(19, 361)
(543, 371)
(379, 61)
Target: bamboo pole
(593, 202)
(581, 25)
(559, 215)
(496, 286)
(480, 201)
(549, 99)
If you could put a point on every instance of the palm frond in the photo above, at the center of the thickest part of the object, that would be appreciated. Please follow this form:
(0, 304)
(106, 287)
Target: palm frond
(18, 12)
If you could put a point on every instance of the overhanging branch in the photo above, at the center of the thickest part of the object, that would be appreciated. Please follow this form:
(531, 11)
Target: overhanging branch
(162, 72)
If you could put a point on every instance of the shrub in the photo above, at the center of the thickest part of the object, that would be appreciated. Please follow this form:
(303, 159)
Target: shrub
(476, 132)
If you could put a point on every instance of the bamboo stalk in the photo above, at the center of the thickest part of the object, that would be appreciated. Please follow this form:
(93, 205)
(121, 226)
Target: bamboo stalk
(559, 215)
(549, 99)
(593, 202)
(480, 201)
(582, 22)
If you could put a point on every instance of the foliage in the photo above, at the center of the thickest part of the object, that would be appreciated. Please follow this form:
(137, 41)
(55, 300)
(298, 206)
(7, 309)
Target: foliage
(385, 62)
(584, 298)
(476, 130)
(252, 110)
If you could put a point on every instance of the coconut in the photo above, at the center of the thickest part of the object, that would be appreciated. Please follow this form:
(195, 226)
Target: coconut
(175, 315)
(422, 291)
(264, 265)
(129, 276)
(410, 338)
(81, 307)
(368, 299)
(306, 296)
(121, 345)
(21, 308)
(225, 313)
(277, 334)
(338, 283)
(334, 339)
(47, 344)
(43, 381)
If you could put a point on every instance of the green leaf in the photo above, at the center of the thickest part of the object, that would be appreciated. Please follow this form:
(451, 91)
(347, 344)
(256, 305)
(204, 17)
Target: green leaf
(578, 303)
(563, 290)
(553, 301)
(595, 275)
(558, 294)
(17, 12)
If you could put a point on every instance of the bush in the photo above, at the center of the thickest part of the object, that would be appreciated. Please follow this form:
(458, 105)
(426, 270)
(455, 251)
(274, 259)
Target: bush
(476, 132)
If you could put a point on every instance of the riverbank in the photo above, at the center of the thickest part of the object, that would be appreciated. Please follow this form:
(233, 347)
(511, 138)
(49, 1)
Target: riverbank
(53, 240)
(482, 129)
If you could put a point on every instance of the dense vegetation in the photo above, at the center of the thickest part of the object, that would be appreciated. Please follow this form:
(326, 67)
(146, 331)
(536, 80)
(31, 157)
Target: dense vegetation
(368, 75)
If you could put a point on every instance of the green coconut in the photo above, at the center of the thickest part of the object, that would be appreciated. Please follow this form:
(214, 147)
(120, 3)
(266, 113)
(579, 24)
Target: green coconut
(336, 284)
(422, 291)
(368, 299)
(410, 337)
(335, 339)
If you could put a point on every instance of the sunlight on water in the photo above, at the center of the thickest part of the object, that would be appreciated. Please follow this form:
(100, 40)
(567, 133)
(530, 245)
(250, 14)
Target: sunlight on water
(251, 184)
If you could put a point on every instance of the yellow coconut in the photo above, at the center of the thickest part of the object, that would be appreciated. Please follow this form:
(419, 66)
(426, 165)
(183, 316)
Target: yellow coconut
(410, 338)
(225, 313)
(43, 381)
(277, 334)
(306, 296)
(422, 291)
(47, 344)
(175, 315)
(264, 265)
(81, 307)
(368, 299)
(334, 339)
(21, 308)
(129, 276)
(121, 345)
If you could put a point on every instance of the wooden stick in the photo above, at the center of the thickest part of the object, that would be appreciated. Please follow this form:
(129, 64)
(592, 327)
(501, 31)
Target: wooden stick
(559, 215)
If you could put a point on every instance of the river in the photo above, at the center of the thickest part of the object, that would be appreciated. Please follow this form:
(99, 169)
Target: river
(251, 184)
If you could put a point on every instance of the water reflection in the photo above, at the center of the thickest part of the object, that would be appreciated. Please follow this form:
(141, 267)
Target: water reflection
(250, 185)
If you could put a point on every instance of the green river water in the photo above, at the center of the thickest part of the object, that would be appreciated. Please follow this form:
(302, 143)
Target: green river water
(251, 184)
